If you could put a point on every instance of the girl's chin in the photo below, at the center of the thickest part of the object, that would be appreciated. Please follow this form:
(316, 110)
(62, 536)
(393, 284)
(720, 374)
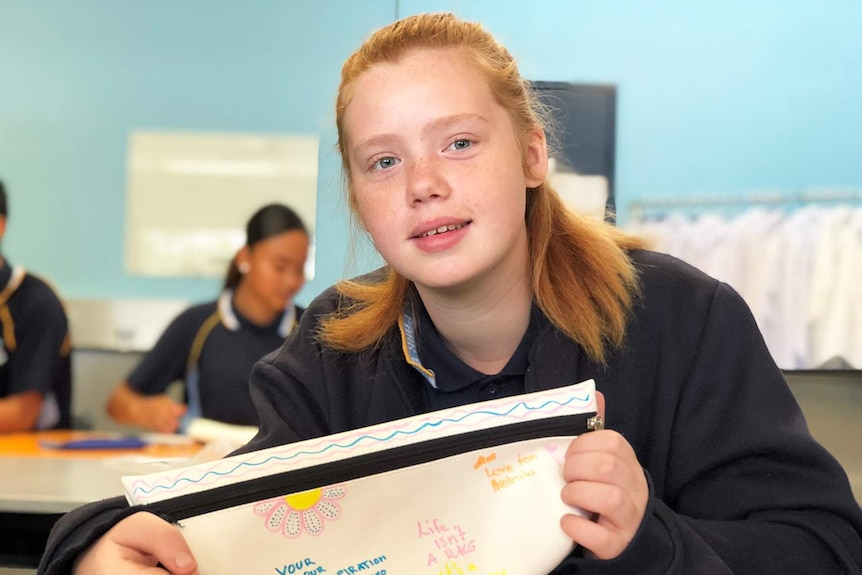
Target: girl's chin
(442, 282)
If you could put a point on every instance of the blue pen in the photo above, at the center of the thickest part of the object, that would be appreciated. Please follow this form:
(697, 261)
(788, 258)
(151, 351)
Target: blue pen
(128, 442)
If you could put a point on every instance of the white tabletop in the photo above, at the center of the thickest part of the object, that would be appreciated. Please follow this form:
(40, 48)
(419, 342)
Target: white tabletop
(58, 485)
(37, 485)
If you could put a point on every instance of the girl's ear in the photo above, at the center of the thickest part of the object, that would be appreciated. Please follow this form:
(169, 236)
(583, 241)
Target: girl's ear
(243, 260)
(536, 158)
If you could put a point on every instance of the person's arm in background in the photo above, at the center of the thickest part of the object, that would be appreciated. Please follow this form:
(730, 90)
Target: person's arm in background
(141, 399)
(156, 412)
(40, 331)
(20, 411)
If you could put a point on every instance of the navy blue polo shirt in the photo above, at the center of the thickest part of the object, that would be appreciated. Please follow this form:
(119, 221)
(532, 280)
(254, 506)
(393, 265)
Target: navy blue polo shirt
(229, 352)
(456, 382)
(34, 346)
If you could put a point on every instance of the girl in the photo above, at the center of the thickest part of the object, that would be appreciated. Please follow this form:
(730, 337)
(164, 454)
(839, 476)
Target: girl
(212, 347)
(708, 466)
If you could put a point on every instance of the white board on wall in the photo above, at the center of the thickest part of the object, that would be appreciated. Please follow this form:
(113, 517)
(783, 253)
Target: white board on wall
(190, 194)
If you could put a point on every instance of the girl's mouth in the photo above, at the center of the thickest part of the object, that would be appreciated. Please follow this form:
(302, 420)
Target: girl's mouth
(443, 230)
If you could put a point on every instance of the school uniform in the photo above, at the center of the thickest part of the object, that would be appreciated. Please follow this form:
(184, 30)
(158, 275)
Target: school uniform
(34, 345)
(212, 348)
(737, 483)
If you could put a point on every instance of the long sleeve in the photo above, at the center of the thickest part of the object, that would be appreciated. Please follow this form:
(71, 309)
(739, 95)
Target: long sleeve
(77, 530)
(738, 485)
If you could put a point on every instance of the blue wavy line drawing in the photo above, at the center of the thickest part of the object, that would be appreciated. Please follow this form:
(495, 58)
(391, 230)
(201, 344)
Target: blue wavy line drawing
(145, 492)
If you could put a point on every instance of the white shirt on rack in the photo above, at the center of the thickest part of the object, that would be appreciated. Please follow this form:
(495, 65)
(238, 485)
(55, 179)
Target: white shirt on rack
(827, 315)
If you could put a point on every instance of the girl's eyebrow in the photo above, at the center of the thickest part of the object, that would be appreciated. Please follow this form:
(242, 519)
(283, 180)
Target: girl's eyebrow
(433, 126)
(449, 121)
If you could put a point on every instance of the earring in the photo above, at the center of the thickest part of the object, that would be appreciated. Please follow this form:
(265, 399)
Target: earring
(243, 267)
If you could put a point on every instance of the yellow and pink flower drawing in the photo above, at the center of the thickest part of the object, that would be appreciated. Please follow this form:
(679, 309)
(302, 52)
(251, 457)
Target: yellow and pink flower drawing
(306, 512)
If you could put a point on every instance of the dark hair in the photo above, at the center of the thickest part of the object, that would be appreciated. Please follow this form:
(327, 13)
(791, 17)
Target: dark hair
(4, 207)
(270, 220)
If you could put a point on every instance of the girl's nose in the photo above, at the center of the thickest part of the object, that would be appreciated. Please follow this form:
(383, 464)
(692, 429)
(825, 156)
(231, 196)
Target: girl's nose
(424, 181)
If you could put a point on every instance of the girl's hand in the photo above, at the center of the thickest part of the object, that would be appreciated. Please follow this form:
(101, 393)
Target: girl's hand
(603, 477)
(141, 544)
(160, 413)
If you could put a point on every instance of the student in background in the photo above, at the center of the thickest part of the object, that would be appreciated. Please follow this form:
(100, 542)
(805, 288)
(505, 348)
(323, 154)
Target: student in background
(35, 366)
(212, 347)
(706, 467)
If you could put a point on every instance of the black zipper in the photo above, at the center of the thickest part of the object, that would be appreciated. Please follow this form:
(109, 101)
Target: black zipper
(298, 480)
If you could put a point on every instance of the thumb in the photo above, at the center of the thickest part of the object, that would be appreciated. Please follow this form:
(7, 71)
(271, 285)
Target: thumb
(163, 541)
(600, 403)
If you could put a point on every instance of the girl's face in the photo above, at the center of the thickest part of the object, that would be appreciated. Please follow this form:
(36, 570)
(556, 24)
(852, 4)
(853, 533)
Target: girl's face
(276, 268)
(437, 172)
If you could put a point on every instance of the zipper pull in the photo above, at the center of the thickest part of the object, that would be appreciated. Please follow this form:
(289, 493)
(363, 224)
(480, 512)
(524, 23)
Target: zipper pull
(596, 423)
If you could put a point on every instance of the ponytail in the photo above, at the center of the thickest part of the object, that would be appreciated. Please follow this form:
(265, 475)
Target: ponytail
(233, 277)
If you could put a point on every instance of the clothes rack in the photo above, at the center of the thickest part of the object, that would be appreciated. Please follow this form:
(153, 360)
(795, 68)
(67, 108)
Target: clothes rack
(639, 208)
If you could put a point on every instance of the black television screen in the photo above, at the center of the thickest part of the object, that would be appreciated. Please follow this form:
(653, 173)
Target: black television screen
(585, 117)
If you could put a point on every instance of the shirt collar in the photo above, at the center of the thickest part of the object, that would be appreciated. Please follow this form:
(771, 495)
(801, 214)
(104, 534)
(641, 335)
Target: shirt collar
(233, 320)
(425, 350)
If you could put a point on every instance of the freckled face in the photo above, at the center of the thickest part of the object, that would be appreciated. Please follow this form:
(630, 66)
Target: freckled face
(437, 172)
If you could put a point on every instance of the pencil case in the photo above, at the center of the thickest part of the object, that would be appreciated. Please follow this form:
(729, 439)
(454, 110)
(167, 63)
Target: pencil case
(468, 490)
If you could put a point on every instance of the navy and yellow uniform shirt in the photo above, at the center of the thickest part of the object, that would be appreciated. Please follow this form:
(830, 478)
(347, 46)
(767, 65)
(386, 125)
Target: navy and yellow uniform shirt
(212, 348)
(34, 345)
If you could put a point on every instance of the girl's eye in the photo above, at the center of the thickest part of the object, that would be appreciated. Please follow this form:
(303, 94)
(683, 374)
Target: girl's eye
(384, 163)
(461, 144)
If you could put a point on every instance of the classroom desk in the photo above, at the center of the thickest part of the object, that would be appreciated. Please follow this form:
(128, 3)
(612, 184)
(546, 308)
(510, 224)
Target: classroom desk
(40, 484)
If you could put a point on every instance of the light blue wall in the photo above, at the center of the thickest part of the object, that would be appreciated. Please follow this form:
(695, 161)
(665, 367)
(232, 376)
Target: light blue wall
(713, 96)
(76, 77)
